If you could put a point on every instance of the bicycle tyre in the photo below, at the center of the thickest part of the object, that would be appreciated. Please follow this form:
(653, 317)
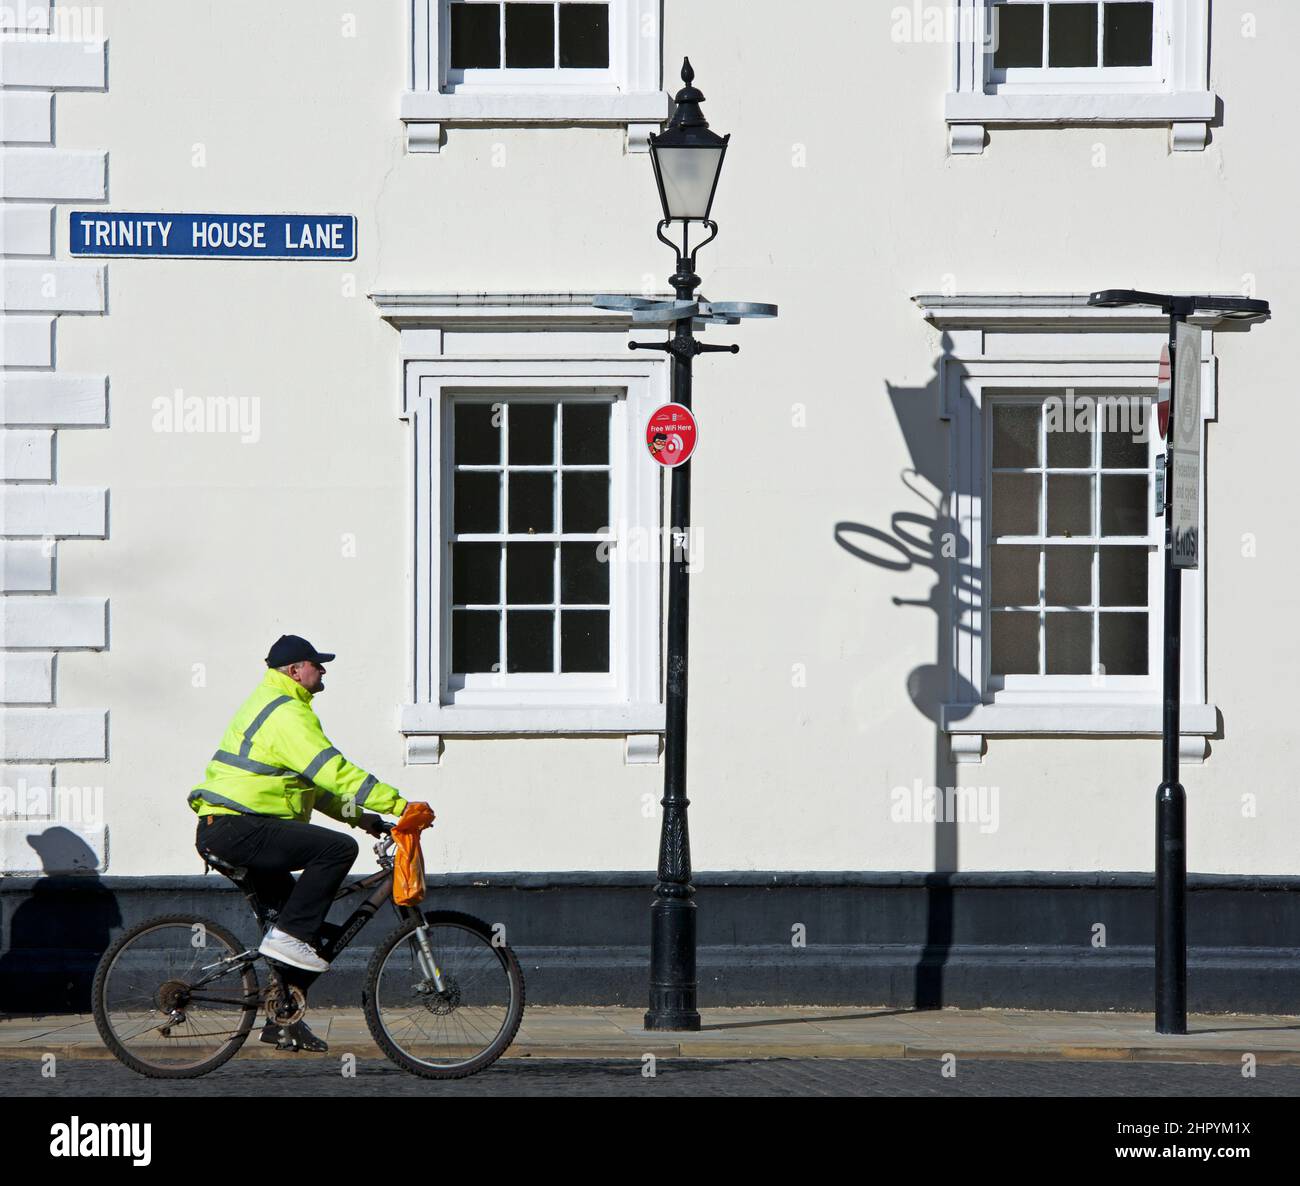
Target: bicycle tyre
(150, 1070)
(499, 1044)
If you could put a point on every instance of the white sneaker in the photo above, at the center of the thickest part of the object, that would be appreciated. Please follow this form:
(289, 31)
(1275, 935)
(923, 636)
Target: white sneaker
(291, 951)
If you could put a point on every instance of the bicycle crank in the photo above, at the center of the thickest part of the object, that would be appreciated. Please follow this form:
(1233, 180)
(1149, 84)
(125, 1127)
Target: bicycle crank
(287, 1007)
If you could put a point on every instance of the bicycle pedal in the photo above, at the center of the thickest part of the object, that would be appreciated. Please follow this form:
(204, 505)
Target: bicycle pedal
(280, 1038)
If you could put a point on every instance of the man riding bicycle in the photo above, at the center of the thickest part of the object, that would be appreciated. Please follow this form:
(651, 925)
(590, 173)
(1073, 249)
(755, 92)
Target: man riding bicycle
(273, 766)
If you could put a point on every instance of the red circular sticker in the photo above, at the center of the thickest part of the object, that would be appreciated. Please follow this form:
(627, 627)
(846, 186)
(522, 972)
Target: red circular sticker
(671, 435)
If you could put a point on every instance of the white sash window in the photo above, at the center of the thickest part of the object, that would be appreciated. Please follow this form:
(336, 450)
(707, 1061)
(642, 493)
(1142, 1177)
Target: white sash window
(1055, 573)
(1100, 62)
(526, 62)
(537, 551)
(1073, 563)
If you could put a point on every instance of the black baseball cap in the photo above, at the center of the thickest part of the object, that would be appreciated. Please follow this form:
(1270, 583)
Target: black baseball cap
(289, 648)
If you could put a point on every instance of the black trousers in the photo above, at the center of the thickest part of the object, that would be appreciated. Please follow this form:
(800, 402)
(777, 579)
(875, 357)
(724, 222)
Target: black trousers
(270, 848)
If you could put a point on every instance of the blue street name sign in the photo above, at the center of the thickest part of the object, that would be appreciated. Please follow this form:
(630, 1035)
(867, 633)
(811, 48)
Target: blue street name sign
(213, 236)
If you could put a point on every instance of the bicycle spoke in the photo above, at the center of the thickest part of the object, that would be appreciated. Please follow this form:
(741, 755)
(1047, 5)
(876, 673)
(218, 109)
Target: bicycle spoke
(150, 1024)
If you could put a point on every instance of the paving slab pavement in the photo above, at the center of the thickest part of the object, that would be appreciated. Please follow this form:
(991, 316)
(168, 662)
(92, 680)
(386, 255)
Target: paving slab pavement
(791, 1032)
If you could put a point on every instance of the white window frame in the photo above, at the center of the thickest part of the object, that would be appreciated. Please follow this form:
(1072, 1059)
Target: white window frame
(629, 94)
(539, 688)
(525, 343)
(1174, 91)
(1065, 80)
(537, 80)
(1030, 689)
(994, 346)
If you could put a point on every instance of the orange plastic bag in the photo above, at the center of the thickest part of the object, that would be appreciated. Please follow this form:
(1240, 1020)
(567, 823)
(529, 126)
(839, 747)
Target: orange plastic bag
(408, 860)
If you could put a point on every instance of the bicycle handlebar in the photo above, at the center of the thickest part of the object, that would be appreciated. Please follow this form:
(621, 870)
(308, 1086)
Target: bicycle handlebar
(384, 842)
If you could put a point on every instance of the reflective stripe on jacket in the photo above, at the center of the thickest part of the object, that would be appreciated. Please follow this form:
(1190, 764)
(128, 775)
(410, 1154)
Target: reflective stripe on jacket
(276, 760)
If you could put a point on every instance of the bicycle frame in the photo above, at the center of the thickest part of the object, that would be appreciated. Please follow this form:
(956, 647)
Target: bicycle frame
(383, 891)
(381, 886)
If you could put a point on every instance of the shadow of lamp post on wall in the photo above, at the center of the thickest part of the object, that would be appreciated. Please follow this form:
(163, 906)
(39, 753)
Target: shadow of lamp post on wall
(687, 159)
(1182, 550)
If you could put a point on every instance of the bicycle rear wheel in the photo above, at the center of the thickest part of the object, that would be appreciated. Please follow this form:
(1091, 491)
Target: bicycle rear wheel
(459, 1030)
(171, 998)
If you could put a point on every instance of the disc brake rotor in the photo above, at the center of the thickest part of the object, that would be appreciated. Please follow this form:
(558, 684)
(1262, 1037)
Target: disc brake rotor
(440, 1004)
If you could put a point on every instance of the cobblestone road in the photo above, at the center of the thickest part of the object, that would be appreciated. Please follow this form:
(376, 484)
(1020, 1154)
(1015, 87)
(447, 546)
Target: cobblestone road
(695, 1077)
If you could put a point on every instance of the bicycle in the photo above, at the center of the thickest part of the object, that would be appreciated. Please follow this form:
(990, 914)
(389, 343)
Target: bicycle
(442, 995)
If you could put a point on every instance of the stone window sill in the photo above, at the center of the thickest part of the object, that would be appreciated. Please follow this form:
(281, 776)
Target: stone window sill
(425, 114)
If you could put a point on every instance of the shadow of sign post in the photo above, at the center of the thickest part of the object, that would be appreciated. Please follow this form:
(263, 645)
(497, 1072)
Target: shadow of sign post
(932, 540)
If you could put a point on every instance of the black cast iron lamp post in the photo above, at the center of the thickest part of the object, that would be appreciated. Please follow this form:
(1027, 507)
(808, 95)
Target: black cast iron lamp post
(1171, 799)
(687, 160)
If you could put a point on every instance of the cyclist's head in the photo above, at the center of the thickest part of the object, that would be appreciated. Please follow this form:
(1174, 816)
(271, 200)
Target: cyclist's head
(306, 672)
(299, 660)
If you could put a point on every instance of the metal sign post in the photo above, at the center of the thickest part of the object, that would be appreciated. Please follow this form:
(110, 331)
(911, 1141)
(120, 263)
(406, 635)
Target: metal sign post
(1182, 550)
(1171, 798)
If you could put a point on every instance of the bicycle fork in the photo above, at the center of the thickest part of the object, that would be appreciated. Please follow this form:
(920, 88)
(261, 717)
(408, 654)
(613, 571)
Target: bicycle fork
(428, 965)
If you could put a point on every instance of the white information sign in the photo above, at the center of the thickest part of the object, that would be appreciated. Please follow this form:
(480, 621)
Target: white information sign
(1185, 481)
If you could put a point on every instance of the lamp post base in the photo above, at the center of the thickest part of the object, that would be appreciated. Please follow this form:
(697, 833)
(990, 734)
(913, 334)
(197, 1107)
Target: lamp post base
(663, 1018)
(672, 965)
(1171, 908)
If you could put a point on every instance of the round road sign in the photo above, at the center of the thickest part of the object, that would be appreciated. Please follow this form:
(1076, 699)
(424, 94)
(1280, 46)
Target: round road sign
(671, 434)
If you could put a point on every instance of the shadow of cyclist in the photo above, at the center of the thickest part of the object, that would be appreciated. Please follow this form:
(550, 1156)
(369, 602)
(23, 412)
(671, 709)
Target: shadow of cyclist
(56, 936)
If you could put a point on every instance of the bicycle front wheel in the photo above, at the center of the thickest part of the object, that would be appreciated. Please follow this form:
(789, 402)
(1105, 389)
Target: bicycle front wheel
(455, 1030)
(172, 997)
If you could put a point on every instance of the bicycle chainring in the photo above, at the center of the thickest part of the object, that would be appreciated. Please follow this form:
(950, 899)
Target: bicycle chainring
(286, 1008)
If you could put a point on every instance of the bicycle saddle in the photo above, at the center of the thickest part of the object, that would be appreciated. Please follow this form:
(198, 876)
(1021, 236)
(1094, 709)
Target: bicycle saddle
(236, 873)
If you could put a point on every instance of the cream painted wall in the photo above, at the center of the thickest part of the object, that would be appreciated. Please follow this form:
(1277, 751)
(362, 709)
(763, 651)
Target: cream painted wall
(215, 546)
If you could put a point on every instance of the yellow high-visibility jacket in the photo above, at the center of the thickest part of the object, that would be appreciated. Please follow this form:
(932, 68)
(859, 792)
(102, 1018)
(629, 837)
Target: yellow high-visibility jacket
(276, 760)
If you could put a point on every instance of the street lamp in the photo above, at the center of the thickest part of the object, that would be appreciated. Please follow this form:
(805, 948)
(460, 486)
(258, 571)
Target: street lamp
(1171, 799)
(687, 159)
